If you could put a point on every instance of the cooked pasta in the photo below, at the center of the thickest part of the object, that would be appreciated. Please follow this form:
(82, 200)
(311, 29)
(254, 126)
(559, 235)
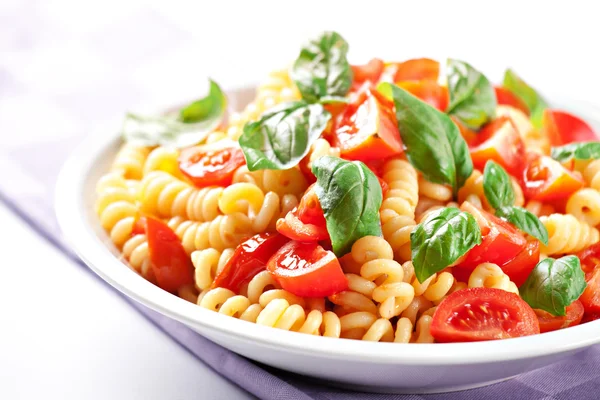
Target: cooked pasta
(336, 252)
(165, 196)
(567, 234)
(398, 207)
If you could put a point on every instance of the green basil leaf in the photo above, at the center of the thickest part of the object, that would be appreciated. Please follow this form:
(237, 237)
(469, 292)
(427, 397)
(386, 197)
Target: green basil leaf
(433, 142)
(333, 100)
(497, 186)
(209, 107)
(283, 135)
(322, 68)
(577, 151)
(554, 284)
(190, 126)
(472, 97)
(350, 196)
(530, 97)
(525, 221)
(441, 239)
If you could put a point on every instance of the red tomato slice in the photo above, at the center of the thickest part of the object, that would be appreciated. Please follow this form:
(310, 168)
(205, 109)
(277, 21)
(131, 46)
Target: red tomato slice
(545, 179)
(367, 128)
(417, 69)
(305, 222)
(589, 258)
(477, 314)
(369, 72)
(590, 317)
(171, 265)
(468, 134)
(549, 322)
(501, 244)
(499, 141)
(591, 295)
(506, 97)
(249, 258)
(211, 164)
(562, 128)
(307, 270)
(429, 91)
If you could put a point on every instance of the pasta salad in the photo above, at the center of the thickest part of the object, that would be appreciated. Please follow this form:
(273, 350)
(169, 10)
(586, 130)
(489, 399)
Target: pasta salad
(404, 202)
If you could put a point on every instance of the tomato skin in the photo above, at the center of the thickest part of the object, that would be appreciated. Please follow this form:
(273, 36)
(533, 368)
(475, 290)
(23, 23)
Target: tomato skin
(499, 141)
(171, 265)
(211, 164)
(249, 258)
(429, 91)
(370, 72)
(590, 317)
(549, 323)
(589, 258)
(367, 128)
(562, 127)
(416, 70)
(591, 295)
(501, 244)
(468, 315)
(307, 270)
(545, 179)
(507, 98)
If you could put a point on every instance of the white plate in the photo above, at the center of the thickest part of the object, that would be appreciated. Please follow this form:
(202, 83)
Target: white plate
(378, 367)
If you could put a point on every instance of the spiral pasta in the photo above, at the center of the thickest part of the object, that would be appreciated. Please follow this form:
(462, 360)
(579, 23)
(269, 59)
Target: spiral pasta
(225, 231)
(434, 191)
(398, 206)
(566, 234)
(491, 276)
(165, 196)
(366, 326)
(163, 159)
(207, 264)
(320, 148)
(591, 173)
(584, 205)
(277, 88)
(129, 161)
(116, 207)
(137, 253)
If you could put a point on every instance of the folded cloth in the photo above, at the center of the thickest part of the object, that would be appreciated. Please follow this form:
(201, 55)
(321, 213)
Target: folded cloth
(29, 172)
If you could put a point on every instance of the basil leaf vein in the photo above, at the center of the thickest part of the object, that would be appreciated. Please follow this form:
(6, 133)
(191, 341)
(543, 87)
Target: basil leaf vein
(445, 236)
(350, 196)
(554, 284)
(577, 151)
(283, 135)
(472, 97)
(497, 186)
(530, 97)
(433, 142)
(322, 68)
(190, 126)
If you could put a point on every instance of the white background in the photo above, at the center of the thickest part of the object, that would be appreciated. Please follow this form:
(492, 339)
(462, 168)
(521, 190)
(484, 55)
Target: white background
(79, 340)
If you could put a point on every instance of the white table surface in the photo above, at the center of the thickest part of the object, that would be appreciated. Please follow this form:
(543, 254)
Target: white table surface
(64, 335)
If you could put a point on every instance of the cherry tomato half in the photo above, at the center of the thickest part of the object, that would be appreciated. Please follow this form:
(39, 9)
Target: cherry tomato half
(370, 72)
(545, 179)
(305, 222)
(171, 265)
(562, 128)
(591, 295)
(211, 164)
(589, 258)
(589, 317)
(549, 322)
(501, 244)
(367, 128)
(307, 270)
(477, 314)
(429, 91)
(499, 141)
(416, 70)
(507, 98)
(249, 258)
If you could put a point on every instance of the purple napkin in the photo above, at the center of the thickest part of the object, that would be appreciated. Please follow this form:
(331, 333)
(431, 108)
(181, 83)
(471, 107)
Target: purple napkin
(57, 78)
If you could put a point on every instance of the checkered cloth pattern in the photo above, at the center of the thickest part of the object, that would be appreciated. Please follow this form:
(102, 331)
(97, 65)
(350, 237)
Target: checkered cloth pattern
(58, 77)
